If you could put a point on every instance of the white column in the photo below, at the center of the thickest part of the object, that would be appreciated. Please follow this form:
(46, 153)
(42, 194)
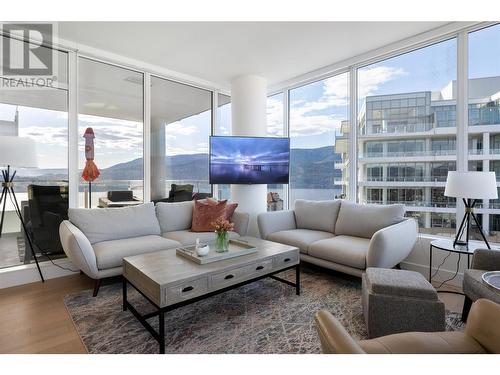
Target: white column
(158, 167)
(248, 118)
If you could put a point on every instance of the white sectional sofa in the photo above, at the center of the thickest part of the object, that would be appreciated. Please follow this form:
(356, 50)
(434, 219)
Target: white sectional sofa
(342, 235)
(97, 240)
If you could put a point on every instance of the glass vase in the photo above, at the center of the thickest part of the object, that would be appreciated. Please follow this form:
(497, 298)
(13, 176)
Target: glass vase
(222, 244)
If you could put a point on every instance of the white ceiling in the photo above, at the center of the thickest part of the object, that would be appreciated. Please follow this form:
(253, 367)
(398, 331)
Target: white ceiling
(220, 51)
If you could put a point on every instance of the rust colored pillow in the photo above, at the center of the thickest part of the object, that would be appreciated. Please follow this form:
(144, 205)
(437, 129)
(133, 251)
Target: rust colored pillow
(204, 214)
(230, 207)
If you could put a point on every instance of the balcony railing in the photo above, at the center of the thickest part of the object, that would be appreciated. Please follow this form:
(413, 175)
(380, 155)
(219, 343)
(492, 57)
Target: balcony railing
(389, 154)
(415, 203)
(407, 179)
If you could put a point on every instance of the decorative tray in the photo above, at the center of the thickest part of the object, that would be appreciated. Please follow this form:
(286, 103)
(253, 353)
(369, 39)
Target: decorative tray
(492, 279)
(236, 248)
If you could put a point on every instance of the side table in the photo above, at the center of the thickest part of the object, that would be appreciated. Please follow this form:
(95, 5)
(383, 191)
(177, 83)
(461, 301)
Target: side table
(447, 245)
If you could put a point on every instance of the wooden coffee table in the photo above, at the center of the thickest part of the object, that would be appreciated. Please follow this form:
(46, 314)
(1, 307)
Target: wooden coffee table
(169, 281)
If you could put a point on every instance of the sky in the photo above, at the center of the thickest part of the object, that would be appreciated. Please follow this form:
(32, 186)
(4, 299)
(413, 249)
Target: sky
(316, 110)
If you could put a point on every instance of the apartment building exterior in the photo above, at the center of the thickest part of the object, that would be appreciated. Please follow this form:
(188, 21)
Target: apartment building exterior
(407, 145)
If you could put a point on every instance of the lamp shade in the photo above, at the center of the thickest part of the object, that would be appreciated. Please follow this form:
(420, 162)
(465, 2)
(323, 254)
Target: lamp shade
(17, 152)
(473, 185)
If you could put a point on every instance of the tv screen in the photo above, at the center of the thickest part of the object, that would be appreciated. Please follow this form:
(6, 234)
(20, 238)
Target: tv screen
(249, 160)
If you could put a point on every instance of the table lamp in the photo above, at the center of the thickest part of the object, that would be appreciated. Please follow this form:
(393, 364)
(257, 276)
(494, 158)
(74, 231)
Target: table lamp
(21, 153)
(470, 186)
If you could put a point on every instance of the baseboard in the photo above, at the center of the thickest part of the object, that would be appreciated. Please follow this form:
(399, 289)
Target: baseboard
(442, 275)
(28, 273)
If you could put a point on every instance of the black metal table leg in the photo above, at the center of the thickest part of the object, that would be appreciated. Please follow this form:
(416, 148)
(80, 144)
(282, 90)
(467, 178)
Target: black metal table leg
(161, 338)
(124, 287)
(297, 279)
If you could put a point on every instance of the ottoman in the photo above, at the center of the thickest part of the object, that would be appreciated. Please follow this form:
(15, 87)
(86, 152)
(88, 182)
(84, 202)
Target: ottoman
(400, 301)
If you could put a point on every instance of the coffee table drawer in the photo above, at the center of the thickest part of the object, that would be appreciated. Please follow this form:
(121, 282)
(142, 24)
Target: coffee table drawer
(229, 277)
(285, 260)
(260, 268)
(186, 290)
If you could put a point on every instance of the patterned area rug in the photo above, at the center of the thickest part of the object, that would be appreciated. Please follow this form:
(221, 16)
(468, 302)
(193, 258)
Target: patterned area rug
(263, 317)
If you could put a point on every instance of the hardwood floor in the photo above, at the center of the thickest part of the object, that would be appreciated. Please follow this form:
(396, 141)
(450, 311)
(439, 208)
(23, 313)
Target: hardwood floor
(33, 318)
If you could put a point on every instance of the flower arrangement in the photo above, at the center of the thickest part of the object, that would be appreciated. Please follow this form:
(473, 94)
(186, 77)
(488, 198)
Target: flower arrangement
(221, 227)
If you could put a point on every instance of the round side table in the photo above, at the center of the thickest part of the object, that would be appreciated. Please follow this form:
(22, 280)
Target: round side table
(447, 245)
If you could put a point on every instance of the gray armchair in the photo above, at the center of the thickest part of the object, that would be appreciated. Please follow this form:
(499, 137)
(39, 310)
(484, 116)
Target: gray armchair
(484, 260)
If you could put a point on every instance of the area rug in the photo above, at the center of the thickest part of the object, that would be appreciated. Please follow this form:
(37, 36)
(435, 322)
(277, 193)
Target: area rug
(263, 317)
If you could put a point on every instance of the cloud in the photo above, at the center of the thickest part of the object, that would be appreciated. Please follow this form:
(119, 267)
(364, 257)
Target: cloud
(313, 117)
(274, 117)
(370, 79)
(178, 128)
(47, 135)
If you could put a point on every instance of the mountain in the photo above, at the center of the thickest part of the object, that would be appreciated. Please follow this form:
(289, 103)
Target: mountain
(310, 168)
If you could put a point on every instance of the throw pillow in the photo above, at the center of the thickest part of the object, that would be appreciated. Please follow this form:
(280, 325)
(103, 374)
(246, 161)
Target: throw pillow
(204, 214)
(230, 207)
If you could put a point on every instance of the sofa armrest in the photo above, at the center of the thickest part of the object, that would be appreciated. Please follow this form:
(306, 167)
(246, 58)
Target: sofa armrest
(391, 245)
(78, 249)
(485, 259)
(333, 336)
(271, 222)
(241, 221)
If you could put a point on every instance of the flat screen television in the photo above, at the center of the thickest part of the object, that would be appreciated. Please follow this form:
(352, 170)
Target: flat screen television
(249, 160)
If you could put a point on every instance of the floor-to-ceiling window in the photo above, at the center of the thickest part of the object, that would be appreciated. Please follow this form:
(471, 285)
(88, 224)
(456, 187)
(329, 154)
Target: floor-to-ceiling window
(319, 127)
(181, 122)
(110, 101)
(275, 128)
(223, 127)
(407, 133)
(484, 118)
(42, 115)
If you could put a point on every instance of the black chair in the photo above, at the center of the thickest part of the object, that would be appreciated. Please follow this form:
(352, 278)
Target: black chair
(180, 193)
(48, 207)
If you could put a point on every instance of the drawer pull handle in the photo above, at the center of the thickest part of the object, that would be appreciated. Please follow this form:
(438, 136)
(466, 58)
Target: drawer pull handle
(259, 268)
(286, 260)
(228, 277)
(187, 289)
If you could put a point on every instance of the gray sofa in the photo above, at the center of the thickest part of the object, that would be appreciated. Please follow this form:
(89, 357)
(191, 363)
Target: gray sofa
(97, 240)
(342, 235)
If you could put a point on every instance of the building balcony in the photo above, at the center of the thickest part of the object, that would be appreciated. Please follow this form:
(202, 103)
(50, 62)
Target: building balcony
(431, 155)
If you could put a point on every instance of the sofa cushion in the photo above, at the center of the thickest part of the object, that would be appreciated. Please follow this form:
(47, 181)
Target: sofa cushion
(347, 250)
(363, 220)
(186, 237)
(174, 216)
(106, 224)
(316, 215)
(230, 207)
(300, 238)
(110, 254)
(205, 214)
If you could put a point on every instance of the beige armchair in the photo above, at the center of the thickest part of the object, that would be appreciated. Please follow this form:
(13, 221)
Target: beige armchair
(482, 335)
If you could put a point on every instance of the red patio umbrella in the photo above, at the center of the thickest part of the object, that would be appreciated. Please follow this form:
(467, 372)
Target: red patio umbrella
(90, 172)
